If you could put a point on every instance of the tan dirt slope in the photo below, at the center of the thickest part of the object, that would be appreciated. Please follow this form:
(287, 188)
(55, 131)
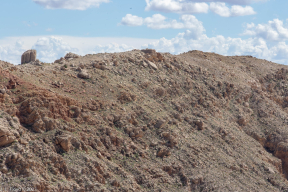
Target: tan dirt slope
(144, 121)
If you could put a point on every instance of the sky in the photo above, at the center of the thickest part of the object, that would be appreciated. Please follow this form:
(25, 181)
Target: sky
(228, 27)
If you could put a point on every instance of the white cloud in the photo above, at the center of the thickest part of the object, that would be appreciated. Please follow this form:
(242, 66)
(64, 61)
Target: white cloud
(195, 6)
(12, 53)
(267, 42)
(256, 46)
(158, 21)
(52, 48)
(112, 48)
(272, 31)
(70, 4)
(132, 20)
(176, 6)
(233, 2)
(221, 9)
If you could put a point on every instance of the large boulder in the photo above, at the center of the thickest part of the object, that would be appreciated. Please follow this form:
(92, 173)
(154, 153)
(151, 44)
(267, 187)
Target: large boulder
(28, 56)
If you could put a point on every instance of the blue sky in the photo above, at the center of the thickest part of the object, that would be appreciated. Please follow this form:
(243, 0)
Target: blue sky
(227, 27)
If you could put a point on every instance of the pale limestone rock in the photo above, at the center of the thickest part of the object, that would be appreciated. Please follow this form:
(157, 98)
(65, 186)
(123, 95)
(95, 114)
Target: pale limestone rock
(83, 75)
(152, 65)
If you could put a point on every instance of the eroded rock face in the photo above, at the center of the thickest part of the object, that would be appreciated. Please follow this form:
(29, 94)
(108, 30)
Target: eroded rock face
(6, 136)
(28, 56)
(45, 124)
(9, 127)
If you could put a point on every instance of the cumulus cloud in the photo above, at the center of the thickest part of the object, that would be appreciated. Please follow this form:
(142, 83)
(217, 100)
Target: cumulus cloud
(261, 44)
(132, 20)
(112, 48)
(70, 4)
(158, 21)
(176, 6)
(255, 46)
(52, 48)
(233, 2)
(194, 6)
(12, 53)
(221, 9)
(272, 31)
(48, 50)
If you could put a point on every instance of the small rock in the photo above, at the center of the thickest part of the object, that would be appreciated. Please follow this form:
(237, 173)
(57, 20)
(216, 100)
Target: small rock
(246, 104)
(144, 64)
(115, 183)
(270, 170)
(22, 141)
(199, 124)
(152, 65)
(64, 68)
(83, 74)
(64, 141)
(242, 121)
(196, 180)
(163, 152)
(159, 124)
(2, 91)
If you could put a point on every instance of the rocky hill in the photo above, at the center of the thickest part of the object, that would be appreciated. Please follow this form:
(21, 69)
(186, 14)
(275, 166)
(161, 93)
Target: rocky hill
(144, 121)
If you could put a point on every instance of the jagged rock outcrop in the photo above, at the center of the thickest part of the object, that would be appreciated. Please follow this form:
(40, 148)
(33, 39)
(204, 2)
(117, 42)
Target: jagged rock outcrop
(28, 56)
(6, 136)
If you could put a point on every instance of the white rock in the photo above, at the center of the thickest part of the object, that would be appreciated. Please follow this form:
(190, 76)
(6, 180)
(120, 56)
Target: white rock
(151, 64)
